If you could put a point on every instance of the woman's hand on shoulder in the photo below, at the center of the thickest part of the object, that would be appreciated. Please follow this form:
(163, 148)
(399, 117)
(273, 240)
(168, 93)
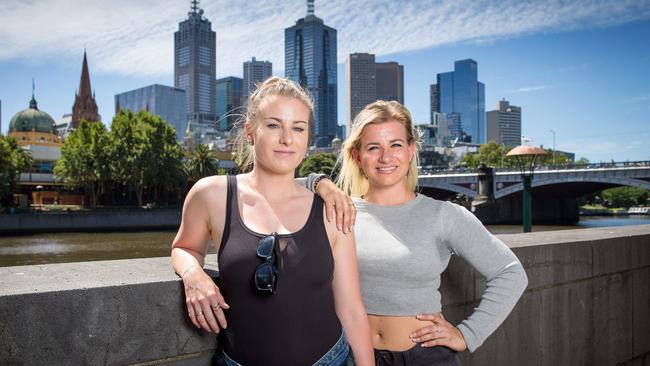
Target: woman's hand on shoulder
(338, 205)
(204, 301)
(439, 333)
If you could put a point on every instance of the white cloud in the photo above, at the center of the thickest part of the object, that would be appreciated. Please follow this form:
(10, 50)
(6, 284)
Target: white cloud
(136, 37)
(526, 89)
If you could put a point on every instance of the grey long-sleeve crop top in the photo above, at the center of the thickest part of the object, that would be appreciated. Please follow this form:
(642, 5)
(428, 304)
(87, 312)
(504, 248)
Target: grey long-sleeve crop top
(402, 250)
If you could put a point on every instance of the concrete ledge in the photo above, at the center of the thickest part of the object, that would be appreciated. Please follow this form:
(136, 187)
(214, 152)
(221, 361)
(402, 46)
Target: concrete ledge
(587, 303)
(133, 219)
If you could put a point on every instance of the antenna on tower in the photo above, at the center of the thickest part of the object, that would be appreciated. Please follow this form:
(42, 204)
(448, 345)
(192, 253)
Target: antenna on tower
(310, 7)
(195, 6)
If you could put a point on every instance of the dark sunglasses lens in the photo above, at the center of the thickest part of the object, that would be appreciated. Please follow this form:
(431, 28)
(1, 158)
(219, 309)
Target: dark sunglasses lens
(265, 247)
(265, 277)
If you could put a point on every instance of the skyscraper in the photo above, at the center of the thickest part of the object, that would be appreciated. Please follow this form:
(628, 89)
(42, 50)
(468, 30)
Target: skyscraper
(504, 124)
(361, 84)
(229, 101)
(310, 60)
(368, 81)
(84, 106)
(460, 92)
(255, 72)
(389, 79)
(195, 65)
(164, 101)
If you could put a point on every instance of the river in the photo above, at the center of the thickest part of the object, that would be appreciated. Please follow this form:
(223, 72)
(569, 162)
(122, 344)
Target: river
(79, 247)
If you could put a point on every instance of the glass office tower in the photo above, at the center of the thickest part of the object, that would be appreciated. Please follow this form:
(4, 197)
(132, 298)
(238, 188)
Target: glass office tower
(230, 92)
(310, 59)
(164, 101)
(461, 93)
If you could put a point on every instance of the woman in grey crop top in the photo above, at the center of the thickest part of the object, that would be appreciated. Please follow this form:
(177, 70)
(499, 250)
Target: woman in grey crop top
(405, 241)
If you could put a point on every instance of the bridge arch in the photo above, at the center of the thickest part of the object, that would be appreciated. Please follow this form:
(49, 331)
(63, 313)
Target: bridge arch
(615, 181)
(451, 188)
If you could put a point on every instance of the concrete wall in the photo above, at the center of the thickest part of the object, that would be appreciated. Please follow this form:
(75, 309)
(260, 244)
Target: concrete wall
(127, 219)
(587, 303)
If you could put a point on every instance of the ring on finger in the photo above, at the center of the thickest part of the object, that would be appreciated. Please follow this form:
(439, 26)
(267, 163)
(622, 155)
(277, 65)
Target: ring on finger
(199, 313)
(216, 306)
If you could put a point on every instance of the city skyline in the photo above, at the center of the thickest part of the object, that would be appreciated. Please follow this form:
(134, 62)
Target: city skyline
(581, 72)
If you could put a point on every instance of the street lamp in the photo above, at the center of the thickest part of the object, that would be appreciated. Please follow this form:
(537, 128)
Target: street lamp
(525, 157)
(553, 132)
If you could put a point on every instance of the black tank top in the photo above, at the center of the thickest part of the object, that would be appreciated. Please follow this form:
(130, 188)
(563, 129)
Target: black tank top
(298, 323)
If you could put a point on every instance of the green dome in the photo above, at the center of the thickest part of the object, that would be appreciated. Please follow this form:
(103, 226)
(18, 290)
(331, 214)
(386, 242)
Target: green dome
(32, 119)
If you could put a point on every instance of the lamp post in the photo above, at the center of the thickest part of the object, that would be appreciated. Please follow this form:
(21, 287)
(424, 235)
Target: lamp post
(525, 157)
(553, 132)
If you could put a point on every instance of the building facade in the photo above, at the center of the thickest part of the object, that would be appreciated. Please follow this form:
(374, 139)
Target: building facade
(84, 106)
(310, 60)
(161, 100)
(361, 87)
(255, 72)
(368, 81)
(390, 81)
(35, 131)
(504, 124)
(195, 65)
(460, 92)
(229, 94)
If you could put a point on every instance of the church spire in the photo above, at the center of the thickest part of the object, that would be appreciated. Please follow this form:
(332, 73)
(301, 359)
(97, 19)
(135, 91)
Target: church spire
(84, 83)
(84, 106)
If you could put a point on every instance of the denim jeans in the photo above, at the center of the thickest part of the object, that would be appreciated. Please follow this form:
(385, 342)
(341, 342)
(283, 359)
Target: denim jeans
(418, 356)
(336, 356)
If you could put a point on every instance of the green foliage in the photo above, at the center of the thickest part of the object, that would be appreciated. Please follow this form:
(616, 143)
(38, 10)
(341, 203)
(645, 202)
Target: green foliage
(625, 196)
(200, 162)
(140, 154)
(323, 163)
(582, 162)
(144, 153)
(13, 161)
(491, 154)
(84, 161)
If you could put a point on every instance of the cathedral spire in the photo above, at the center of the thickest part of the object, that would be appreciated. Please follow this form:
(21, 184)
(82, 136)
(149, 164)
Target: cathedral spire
(84, 83)
(84, 106)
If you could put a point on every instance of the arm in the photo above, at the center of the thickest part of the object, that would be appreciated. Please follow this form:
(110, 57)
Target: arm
(506, 281)
(338, 204)
(347, 296)
(202, 296)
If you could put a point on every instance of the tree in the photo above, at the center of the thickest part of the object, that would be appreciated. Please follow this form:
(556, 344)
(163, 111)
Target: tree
(84, 161)
(165, 174)
(582, 162)
(322, 163)
(625, 196)
(13, 161)
(200, 162)
(491, 154)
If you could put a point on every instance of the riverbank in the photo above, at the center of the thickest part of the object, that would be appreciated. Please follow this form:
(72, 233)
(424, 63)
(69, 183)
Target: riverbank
(113, 220)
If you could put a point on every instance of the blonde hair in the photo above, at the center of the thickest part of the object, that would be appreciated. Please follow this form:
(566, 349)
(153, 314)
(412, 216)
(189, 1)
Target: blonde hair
(272, 87)
(351, 179)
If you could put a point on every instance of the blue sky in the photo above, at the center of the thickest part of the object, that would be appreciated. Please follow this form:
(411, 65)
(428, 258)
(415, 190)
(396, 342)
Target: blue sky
(580, 68)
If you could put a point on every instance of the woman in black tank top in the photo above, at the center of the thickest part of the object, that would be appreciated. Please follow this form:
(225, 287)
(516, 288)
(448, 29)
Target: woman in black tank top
(288, 289)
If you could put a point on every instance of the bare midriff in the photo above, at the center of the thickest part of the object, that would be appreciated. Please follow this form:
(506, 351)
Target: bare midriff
(392, 332)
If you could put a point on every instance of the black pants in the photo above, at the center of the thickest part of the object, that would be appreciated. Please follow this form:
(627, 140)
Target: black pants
(418, 356)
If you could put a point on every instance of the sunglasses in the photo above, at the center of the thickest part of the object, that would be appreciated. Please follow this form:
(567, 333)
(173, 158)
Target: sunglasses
(266, 274)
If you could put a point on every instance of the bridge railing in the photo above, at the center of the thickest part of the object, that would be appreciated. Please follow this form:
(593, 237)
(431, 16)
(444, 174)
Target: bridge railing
(568, 166)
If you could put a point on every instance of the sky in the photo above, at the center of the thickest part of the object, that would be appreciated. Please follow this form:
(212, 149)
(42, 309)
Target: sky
(580, 70)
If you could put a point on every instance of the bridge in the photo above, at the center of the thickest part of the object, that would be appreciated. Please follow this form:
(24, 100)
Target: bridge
(556, 187)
